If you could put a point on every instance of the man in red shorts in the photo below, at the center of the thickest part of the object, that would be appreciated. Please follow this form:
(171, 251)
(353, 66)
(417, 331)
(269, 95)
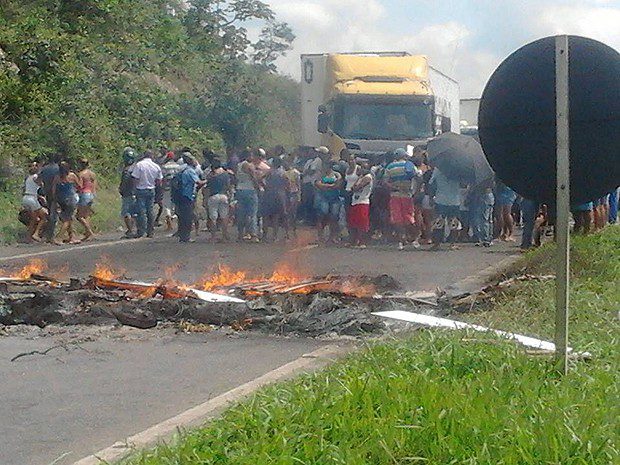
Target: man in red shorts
(398, 175)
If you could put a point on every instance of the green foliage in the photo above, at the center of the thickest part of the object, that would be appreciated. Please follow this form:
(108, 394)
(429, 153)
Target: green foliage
(88, 77)
(445, 397)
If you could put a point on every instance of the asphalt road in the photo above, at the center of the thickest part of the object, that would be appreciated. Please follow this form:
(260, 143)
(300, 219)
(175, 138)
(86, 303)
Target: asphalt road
(73, 401)
(152, 259)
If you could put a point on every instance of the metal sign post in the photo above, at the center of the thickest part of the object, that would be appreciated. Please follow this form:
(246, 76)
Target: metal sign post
(562, 201)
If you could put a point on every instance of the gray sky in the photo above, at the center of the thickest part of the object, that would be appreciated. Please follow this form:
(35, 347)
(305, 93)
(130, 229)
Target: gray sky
(465, 39)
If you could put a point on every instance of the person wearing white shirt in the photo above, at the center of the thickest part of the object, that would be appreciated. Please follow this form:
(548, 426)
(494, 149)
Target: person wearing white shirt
(147, 176)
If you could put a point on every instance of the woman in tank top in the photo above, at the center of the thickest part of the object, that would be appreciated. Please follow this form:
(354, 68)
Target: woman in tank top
(31, 203)
(65, 187)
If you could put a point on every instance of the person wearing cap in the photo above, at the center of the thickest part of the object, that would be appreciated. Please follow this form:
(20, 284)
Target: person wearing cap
(189, 183)
(128, 193)
(86, 192)
(398, 177)
(147, 176)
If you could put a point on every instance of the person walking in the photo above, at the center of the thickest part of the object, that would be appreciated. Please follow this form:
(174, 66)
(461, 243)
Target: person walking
(86, 192)
(147, 176)
(189, 183)
(46, 177)
(65, 191)
(31, 203)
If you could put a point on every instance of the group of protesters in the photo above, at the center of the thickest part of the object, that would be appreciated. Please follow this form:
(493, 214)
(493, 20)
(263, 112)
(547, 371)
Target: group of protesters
(397, 197)
(56, 191)
(393, 198)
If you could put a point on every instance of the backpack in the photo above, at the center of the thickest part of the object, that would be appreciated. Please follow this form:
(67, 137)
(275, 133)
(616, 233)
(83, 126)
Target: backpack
(176, 185)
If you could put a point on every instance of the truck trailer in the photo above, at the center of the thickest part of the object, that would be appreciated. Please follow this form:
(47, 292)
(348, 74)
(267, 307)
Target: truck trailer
(375, 102)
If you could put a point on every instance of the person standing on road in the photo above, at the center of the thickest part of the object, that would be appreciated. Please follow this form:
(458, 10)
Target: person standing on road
(128, 193)
(218, 204)
(274, 200)
(169, 170)
(504, 200)
(613, 206)
(327, 202)
(87, 192)
(398, 177)
(147, 176)
(248, 182)
(447, 205)
(189, 183)
(293, 196)
(481, 200)
(358, 216)
(46, 177)
(529, 211)
(310, 175)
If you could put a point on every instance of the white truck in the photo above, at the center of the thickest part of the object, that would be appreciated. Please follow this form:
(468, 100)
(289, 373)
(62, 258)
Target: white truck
(375, 102)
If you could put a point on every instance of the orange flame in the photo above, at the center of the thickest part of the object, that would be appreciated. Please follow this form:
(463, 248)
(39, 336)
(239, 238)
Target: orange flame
(225, 277)
(34, 266)
(105, 271)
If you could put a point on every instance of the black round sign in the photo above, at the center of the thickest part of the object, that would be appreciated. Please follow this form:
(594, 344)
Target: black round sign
(517, 120)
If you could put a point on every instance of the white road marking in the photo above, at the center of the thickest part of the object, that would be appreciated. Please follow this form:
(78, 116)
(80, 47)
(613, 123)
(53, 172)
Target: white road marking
(60, 250)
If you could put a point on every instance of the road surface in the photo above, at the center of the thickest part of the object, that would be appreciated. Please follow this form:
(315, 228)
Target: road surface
(105, 384)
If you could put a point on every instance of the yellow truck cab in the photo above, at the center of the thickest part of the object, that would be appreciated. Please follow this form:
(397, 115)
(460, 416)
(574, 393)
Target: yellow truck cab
(376, 102)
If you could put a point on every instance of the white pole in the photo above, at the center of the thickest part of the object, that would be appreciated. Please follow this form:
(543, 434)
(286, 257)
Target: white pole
(562, 201)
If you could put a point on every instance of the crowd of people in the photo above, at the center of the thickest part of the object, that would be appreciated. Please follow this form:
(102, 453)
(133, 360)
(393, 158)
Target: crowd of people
(396, 198)
(54, 191)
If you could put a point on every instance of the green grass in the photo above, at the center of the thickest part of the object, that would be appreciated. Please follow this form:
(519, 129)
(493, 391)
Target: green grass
(442, 397)
(106, 218)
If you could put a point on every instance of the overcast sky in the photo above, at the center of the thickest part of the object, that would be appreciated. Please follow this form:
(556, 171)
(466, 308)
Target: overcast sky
(465, 39)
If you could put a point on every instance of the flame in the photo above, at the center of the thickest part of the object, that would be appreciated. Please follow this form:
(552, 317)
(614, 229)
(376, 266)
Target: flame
(285, 274)
(225, 277)
(104, 270)
(34, 266)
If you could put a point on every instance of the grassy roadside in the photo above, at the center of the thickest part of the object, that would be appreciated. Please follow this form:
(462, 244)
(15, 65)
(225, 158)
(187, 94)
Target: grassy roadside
(446, 398)
(106, 218)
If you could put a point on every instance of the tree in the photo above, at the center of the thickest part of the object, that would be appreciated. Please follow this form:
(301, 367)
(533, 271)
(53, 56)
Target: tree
(274, 41)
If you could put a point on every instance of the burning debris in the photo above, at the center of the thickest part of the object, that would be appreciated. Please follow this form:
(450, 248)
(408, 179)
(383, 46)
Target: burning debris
(283, 303)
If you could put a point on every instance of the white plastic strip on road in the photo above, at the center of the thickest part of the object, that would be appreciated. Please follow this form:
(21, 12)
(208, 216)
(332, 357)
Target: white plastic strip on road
(436, 322)
(211, 297)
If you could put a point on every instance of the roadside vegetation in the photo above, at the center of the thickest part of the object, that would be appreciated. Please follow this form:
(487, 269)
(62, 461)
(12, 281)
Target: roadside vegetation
(86, 78)
(443, 397)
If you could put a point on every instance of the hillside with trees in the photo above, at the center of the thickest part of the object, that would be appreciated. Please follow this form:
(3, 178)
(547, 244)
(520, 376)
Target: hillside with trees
(88, 77)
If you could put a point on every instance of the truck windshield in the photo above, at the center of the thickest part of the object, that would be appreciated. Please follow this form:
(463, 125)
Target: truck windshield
(383, 120)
